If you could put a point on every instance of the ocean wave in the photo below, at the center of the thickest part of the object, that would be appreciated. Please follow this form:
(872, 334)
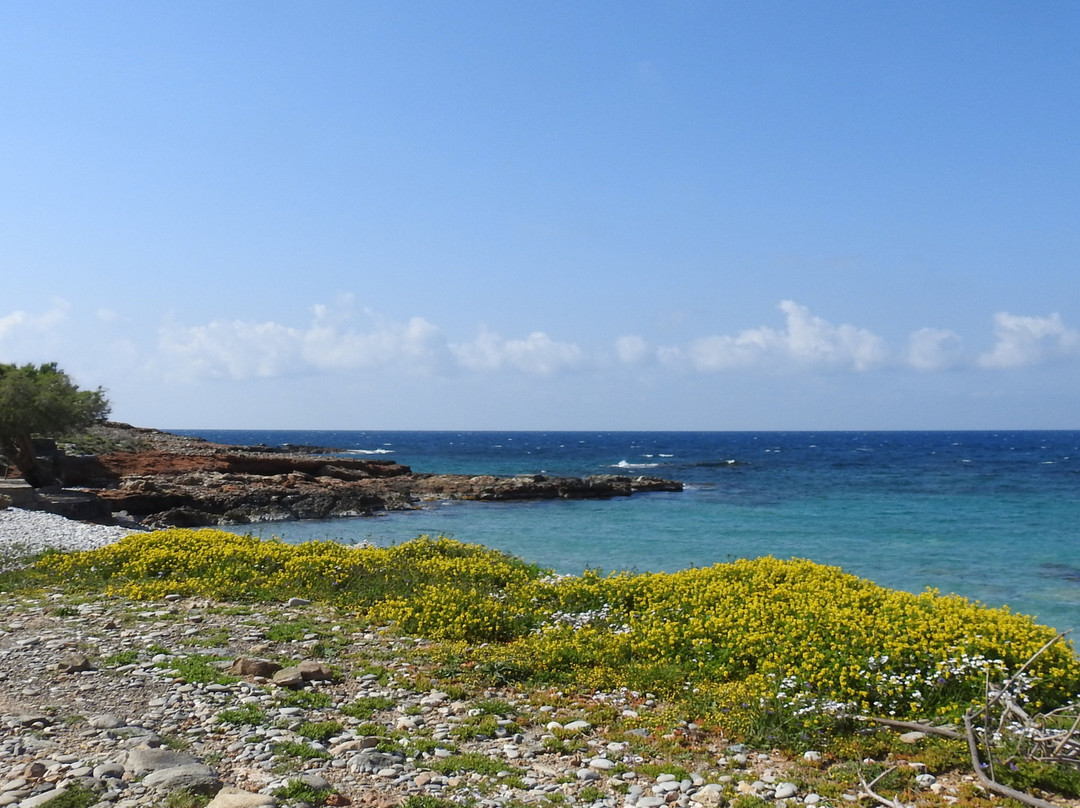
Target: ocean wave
(623, 464)
(369, 451)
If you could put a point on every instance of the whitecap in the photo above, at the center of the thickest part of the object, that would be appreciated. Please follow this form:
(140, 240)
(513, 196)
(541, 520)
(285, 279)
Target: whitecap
(369, 451)
(622, 464)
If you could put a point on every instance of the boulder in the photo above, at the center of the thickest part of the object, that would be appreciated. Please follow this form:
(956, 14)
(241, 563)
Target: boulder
(253, 666)
(194, 777)
(143, 760)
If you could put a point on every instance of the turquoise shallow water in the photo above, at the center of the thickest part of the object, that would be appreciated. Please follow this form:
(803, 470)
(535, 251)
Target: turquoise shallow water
(993, 516)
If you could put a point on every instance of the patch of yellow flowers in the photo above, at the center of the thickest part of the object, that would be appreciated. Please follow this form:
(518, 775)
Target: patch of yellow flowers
(805, 636)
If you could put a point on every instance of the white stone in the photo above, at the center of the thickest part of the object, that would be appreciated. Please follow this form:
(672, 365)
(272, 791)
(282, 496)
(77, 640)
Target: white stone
(785, 790)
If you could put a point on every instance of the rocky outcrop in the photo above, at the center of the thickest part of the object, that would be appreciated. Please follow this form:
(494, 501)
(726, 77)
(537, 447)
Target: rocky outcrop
(173, 481)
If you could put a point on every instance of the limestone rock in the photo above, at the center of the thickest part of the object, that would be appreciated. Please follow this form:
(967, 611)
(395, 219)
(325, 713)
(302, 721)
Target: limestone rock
(232, 797)
(74, 663)
(197, 778)
(143, 760)
(253, 666)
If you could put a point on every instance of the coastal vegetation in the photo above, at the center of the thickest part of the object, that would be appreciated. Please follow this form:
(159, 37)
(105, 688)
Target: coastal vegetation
(775, 654)
(42, 401)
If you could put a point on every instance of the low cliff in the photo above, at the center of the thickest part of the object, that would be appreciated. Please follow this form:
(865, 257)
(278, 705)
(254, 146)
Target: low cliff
(164, 480)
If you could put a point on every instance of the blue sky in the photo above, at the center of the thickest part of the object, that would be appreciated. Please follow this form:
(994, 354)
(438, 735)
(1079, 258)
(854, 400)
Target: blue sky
(558, 215)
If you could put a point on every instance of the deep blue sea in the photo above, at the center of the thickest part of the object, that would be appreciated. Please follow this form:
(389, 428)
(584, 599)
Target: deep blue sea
(992, 516)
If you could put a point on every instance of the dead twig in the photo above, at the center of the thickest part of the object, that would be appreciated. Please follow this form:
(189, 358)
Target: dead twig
(944, 732)
(993, 785)
(868, 789)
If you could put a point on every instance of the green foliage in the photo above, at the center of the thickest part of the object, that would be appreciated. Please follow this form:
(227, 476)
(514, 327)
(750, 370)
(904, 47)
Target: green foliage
(366, 706)
(476, 727)
(298, 791)
(496, 707)
(246, 714)
(41, 400)
(1027, 774)
(196, 668)
(591, 794)
(295, 749)
(292, 631)
(307, 699)
(470, 762)
(186, 799)
(319, 730)
(75, 796)
(122, 658)
(417, 801)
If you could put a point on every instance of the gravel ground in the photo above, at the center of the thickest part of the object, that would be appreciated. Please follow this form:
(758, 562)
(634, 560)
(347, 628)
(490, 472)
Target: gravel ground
(23, 531)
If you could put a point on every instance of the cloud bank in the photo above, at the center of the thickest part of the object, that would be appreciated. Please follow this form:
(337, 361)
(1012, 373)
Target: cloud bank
(342, 338)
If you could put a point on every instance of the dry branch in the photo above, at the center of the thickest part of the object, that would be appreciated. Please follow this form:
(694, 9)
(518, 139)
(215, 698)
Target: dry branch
(993, 785)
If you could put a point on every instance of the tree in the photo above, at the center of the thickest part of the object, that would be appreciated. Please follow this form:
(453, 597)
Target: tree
(41, 402)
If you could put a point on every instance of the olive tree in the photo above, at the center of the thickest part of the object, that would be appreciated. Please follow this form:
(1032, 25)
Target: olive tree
(41, 401)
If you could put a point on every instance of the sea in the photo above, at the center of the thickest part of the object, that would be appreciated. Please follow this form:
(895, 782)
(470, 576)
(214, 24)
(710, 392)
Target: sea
(993, 516)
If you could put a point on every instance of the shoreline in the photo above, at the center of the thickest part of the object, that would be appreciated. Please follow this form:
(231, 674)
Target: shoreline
(156, 479)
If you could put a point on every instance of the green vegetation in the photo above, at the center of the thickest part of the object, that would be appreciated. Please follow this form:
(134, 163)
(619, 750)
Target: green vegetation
(471, 762)
(246, 714)
(779, 654)
(75, 796)
(299, 791)
(321, 731)
(122, 658)
(197, 668)
(307, 699)
(41, 401)
(366, 706)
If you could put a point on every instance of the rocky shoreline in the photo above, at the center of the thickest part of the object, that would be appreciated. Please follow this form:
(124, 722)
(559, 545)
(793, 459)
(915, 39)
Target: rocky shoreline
(166, 480)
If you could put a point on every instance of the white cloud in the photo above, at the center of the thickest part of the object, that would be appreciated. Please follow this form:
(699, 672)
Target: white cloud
(935, 349)
(242, 350)
(537, 353)
(631, 350)
(1023, 341)
(20, 323)
(806, 340)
